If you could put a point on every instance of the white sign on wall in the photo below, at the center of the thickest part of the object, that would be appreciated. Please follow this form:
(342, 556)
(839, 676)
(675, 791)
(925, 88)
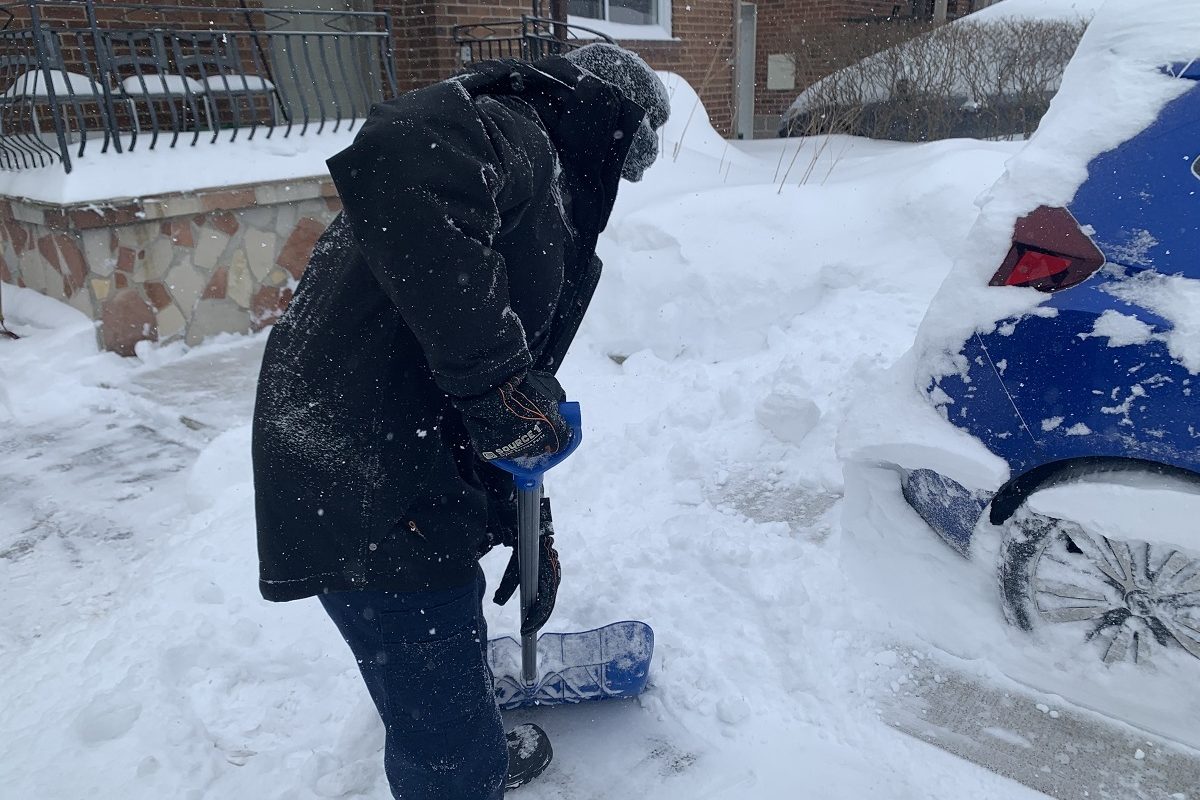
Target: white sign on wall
(781, 72)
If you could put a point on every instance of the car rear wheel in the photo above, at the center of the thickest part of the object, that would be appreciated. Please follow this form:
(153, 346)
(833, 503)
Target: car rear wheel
(1125, 597)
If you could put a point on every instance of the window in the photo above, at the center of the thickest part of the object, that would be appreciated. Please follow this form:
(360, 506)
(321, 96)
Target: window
(629, 12)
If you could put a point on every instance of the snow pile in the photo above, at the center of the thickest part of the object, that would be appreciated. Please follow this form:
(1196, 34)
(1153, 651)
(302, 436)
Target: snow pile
(35, 391)
(689, 129)
(143, 172)
(669, 277)
(40, 311)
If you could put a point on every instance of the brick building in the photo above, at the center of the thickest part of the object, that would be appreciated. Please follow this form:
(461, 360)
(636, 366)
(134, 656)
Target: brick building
(694, 38)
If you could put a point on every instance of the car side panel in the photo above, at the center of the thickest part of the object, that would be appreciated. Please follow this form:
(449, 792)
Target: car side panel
(976, 401)
(1142, 199)
(1081, 396)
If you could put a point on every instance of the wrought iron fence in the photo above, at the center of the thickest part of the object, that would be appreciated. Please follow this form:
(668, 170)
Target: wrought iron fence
(527, 39)
(80, 74)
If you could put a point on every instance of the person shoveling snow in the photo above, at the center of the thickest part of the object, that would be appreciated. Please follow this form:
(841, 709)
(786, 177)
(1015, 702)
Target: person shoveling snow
(421, 346)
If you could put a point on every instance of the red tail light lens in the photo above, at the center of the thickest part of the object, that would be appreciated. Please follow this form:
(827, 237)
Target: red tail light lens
(1049, 253)
(1036, 266)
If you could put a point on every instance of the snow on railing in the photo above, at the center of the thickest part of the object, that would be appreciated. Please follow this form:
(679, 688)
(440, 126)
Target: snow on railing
(80, 74)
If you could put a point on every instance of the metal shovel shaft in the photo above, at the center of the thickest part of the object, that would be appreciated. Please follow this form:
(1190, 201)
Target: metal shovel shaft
(529, 529)
(529, 522)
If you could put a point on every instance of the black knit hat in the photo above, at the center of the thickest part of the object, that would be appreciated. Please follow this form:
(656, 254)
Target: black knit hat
(627, 71)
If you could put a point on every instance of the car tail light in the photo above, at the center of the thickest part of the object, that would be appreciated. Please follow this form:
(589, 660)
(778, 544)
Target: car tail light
(1049, 252)
(1034, 265)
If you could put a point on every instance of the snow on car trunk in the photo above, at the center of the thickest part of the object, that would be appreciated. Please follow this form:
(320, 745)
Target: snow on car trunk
(1177, 300)
(1112, 89)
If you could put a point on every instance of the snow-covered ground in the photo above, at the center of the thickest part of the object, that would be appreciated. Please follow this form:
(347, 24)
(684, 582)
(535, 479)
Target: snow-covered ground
(740, 316)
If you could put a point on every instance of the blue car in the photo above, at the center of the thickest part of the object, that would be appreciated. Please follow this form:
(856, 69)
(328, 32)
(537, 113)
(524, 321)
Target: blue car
(1094, 381)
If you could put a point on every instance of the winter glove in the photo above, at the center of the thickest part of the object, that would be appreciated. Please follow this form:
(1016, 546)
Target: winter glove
(518, 419)
(549, 576)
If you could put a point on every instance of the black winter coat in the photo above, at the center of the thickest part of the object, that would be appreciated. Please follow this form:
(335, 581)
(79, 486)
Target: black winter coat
(465, 254)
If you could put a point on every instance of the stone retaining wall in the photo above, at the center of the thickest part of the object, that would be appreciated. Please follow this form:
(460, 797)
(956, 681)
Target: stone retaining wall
(183, 266)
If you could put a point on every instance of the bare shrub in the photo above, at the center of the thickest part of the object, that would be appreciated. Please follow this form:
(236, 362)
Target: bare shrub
(917, 83)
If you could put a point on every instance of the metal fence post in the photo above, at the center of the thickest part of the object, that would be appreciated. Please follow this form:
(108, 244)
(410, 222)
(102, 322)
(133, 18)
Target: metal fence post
(389, 57)
(109, 111)
(39, 44)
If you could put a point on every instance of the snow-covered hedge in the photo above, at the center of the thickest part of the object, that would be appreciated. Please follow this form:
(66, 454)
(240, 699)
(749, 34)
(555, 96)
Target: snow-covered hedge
(983, 79)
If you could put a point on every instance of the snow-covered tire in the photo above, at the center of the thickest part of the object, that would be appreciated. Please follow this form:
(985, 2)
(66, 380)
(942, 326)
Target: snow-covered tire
(1127, 596)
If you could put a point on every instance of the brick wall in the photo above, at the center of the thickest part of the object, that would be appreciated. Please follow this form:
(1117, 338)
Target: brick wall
(703, 55)
(423, 34)
(425, 50)
(780, 25)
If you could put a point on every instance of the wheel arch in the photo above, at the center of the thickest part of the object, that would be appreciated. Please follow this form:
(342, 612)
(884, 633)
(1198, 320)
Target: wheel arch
(1018, 489)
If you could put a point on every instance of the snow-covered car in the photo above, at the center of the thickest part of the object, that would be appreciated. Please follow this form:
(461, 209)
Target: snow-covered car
(1046, 424)
(1091, 381)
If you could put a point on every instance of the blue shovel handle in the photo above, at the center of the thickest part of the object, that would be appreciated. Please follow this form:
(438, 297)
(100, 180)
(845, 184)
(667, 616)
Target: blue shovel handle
(529, 475)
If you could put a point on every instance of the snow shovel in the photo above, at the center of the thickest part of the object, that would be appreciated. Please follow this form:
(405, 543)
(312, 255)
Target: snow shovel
(604, 663)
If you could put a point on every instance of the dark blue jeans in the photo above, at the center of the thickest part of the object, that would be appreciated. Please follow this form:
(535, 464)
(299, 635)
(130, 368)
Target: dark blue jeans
(423, 657)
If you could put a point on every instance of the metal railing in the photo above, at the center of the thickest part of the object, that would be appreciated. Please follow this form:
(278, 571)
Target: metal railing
(80, 74)
(527, 39)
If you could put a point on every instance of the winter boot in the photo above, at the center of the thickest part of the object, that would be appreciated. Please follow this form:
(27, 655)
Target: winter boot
(529, 753)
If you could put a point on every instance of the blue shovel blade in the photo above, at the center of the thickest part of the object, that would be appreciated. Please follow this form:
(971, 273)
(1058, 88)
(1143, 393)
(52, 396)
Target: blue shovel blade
(612, 662)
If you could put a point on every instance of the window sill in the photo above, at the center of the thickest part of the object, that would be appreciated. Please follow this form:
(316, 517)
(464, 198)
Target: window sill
(621, 31)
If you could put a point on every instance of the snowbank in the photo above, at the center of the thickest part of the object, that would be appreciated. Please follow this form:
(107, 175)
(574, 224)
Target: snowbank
(25, 307)
(707, 293)
(143, 172)
(689, 129)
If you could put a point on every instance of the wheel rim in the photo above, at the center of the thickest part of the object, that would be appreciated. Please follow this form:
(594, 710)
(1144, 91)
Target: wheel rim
(1130, 596)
